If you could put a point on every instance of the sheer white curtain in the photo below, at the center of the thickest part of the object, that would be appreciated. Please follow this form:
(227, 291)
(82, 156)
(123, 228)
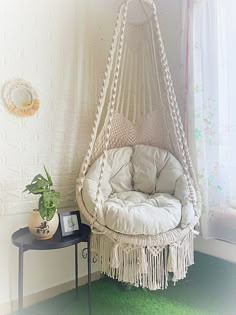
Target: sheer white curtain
(211, 111)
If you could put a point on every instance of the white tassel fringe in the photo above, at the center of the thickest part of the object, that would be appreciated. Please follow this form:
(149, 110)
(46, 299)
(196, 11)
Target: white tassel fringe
(146, 267)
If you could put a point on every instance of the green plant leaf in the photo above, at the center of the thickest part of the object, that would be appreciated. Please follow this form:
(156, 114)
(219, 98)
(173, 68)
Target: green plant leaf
(37, 178)
(45, 212)
(50, 213)
(51, 199)
(42, 208)
(48, 177)
(38, 185)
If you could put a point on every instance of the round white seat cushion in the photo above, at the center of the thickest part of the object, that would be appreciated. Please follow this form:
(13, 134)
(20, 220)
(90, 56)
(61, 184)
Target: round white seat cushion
(143, 191)
(137, 213)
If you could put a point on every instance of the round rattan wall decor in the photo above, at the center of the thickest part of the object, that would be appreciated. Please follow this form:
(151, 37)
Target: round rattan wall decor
(20, 97)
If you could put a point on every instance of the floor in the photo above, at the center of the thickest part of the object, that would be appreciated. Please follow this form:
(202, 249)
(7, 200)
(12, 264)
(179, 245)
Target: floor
(210, 288)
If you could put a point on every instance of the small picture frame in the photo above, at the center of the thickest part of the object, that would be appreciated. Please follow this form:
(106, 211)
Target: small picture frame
(70, 222)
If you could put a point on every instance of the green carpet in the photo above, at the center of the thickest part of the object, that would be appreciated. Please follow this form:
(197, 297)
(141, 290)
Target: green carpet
(210, 288)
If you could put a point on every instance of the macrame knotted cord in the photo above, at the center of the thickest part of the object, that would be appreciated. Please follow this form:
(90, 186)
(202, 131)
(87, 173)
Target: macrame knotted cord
(100, 106)
(174, 110)
(141, 108)
(110, 112)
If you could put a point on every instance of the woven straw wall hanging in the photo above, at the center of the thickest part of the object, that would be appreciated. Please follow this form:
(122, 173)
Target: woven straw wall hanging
(20, 97)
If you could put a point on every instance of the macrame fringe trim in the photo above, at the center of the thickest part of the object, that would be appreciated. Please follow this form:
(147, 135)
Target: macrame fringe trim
(146, 267)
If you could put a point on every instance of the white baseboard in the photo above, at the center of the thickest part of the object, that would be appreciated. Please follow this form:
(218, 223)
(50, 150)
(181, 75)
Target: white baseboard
(217, 248)
(46, 294)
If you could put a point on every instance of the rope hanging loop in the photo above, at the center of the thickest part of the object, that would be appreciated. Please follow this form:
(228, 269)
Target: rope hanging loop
(150, 3)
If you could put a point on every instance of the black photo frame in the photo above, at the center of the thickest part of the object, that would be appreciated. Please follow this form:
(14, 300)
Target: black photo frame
(70, 222)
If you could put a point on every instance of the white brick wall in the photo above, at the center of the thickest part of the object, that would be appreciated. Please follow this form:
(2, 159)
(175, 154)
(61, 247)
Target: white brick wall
(38, 43)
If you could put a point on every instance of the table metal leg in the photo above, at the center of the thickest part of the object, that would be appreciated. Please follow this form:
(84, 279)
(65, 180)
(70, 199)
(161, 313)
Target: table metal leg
(20, 278)
(89, 277)
(76, 267)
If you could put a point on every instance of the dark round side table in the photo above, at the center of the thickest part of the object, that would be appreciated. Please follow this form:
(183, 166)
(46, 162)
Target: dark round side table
(25, 241)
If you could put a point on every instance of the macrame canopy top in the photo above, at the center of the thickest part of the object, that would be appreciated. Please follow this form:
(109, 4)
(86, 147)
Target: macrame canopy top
(137, 104)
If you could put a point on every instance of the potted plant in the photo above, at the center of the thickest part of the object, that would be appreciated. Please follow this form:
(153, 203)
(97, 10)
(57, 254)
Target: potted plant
(44, 221)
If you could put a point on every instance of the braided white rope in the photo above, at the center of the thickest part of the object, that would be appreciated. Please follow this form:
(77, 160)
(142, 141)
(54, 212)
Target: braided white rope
(154, 57)
(178, 126)
(111, 110)
(100, 106)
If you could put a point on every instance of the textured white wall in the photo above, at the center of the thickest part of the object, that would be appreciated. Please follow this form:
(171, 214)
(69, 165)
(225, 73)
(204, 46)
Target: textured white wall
(38, 42)
(60, 46)
(39, 46)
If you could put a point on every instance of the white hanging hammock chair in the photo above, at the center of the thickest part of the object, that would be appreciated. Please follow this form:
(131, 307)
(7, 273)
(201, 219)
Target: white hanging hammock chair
(137, 186)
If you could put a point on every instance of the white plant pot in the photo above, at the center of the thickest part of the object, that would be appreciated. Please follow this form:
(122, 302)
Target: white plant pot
(40, 228)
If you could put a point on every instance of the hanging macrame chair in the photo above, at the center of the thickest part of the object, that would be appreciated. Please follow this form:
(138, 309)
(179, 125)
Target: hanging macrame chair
(137, 186)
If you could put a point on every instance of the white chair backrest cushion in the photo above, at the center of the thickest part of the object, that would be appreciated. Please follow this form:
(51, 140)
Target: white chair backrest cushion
(155, 170)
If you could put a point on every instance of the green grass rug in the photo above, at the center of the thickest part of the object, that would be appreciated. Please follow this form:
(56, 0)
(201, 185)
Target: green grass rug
(210, 288)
